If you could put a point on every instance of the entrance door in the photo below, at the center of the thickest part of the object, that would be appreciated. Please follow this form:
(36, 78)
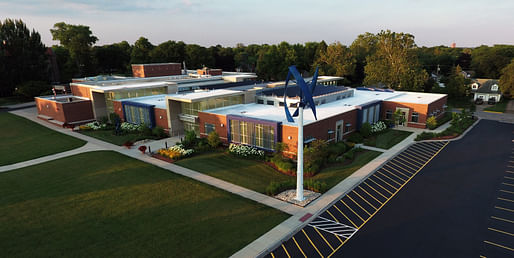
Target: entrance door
(339, 130)
(405, 114)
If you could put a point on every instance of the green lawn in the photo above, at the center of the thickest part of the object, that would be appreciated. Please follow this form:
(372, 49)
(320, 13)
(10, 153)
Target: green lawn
(117, 206)
(22, 139)
(5, 101)
(108, 136)
(498, 107)
(387, 138)
(257, 176)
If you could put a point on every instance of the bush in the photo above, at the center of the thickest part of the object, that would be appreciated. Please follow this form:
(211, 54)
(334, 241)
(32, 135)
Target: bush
(425, 136)
(189, 140)
(159, 132)
(378, 127)
(315, 186)
(202, 145)
(245, 151)
(431, 123)
(356, 138)
(96, 126)
(175, 152)
(128, 127)
(114, 118)
(315, 156)
(213, 139)
(349, 154)
(365, 130)
(32, 89)
(275, 188)
(283, 164)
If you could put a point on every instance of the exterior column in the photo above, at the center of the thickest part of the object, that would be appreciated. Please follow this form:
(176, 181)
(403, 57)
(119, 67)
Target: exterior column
(299, 168)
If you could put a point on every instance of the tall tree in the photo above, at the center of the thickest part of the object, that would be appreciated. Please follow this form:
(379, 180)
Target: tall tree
(507, 79)
(394, 63)
(488, 62)
(169, 51)
(141, 51)
(22, 56)
(78, 39)
(365, 45)
(336, 60)
(113, 58)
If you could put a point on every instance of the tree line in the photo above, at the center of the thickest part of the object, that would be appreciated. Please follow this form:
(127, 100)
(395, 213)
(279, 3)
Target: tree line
(387, 58)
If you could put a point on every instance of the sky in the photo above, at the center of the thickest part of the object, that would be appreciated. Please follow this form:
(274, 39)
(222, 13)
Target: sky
(468, 23)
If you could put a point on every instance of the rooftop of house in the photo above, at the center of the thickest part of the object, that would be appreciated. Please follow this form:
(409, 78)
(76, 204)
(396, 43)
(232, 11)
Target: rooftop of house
(202, 94)
(159, 101)
(487, 87)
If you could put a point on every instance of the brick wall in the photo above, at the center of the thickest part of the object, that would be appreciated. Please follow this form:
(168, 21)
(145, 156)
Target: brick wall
(421, 109)
(81, 91)
(217, 121)
(208, 71)
(161, 118)
(65, 112)
(118, 109)
(438, 105)
(154, 70)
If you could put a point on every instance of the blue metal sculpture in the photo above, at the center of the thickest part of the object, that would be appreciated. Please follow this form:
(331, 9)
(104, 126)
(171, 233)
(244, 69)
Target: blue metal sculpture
(306, 92)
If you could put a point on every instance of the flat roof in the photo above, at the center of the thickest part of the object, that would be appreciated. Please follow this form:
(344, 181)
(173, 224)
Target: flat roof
(156, 64)
(204, 94)
(273, 113)
(416, 97)
(159, 101)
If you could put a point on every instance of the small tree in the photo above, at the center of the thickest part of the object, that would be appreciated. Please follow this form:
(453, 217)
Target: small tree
(365, 129)
(398, 117)
(431, 122)
(213, 139)
(32, 89)
(189, 140)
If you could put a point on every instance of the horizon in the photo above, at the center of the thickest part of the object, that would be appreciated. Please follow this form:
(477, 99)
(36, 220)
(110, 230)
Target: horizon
(469, 24)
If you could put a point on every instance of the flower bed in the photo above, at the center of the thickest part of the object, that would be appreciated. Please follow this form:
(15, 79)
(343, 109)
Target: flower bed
(245, 151)
(175, 152)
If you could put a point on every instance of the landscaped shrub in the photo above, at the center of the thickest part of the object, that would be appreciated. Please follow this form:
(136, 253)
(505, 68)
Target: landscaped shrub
(431, 123)
(245, 151)
(378, 127)
(159, 132)
(315, 186)
(315, 156)
(114, 118)
(355, 138)
(365, 129)
(96, 125)
(128, 127)
(349, 154)
(275, 188)
(202, 145)
(283, 164)
(175, 152)
(103, 120)
(189, 140)
(445, 118)
(213, 139)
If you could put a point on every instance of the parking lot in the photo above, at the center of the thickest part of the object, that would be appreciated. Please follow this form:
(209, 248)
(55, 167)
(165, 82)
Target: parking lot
(327, 233)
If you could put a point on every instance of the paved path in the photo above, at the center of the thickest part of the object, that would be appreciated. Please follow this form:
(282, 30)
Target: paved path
(134, 153)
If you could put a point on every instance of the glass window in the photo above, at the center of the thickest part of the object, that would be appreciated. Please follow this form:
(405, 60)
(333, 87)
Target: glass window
(389, 114)
(209, 128)
(364, 115)
(371, 114)
(260, 101)
(270, 102)
(254, 134)
(415, 117)
(377, 113)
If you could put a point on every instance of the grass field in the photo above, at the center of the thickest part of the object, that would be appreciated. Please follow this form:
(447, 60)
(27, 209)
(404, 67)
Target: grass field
(257, 176)
(117, 206)
(108, 136)
(22, 139)
(387, 139)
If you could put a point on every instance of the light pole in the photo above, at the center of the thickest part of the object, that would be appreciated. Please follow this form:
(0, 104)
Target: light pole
(299, 165)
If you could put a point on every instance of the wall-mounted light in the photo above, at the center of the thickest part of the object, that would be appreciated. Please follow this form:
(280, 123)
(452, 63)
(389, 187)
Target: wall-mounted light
(289, 137)
(221, 125)
(160, 117)
(47, 106)
(119, 109)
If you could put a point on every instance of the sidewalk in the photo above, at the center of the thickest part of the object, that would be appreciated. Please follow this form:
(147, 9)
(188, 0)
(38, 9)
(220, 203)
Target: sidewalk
(289, 227)
(135, 153)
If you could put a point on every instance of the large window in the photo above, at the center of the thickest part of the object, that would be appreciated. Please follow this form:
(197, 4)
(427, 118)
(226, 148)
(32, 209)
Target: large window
(126, 94)
(415, 117)
(209, 128)
(138, 115)
(255, 134)
(194, 107)
(389, 114)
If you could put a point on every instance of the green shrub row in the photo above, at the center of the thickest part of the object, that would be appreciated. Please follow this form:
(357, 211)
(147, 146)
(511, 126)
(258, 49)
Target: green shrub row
(275, 188)
(459, 124)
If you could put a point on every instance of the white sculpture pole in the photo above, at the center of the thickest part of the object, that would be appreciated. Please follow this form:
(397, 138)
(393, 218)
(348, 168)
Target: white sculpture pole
(299, 168)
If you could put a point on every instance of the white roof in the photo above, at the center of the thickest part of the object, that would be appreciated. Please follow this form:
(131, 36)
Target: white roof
(130, 86)
(199, 95)
(159, 101)
(416, 97)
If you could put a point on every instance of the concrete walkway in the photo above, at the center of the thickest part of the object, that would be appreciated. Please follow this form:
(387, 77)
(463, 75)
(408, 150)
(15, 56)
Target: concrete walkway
(135, 153)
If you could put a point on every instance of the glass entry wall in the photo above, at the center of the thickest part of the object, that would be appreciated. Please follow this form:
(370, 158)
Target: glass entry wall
(138, 113)
(194, 107)
(259, 133)
(368, 113)
(127, 94)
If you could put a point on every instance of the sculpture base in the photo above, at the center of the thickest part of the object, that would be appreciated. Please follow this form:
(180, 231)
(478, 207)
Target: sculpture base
(290, 197)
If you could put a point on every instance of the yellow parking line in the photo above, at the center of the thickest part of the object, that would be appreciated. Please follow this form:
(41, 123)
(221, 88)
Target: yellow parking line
(385, 183)
(507, 184)
(370, 194)
(481, 256)
(373, 206)
(399, 170)
(345, 216)
(329, 245)
(498, 245)
(411, 159)
(502, 219)
(396, 182)
(351, 210)
(505, 191)
(330, 213)
(297, 245)
(375, 190)
(508, 177)
(358, 205)
(312, 243)
(272, 255)
(399, 157)
(364, 223)
(501, 208)
(504, 199)
(511, 172)
(285, 250)
(403, 180)
(499, 231)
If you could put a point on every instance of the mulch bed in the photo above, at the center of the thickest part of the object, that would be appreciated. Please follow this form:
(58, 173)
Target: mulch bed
(157, 156)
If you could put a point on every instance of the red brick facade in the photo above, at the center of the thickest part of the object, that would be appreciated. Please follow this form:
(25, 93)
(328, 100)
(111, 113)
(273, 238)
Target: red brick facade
(66, 112)
(423, 110)
(217, 121)
(161, 118)
(80, 91)
(207, 71)
(154, 70)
